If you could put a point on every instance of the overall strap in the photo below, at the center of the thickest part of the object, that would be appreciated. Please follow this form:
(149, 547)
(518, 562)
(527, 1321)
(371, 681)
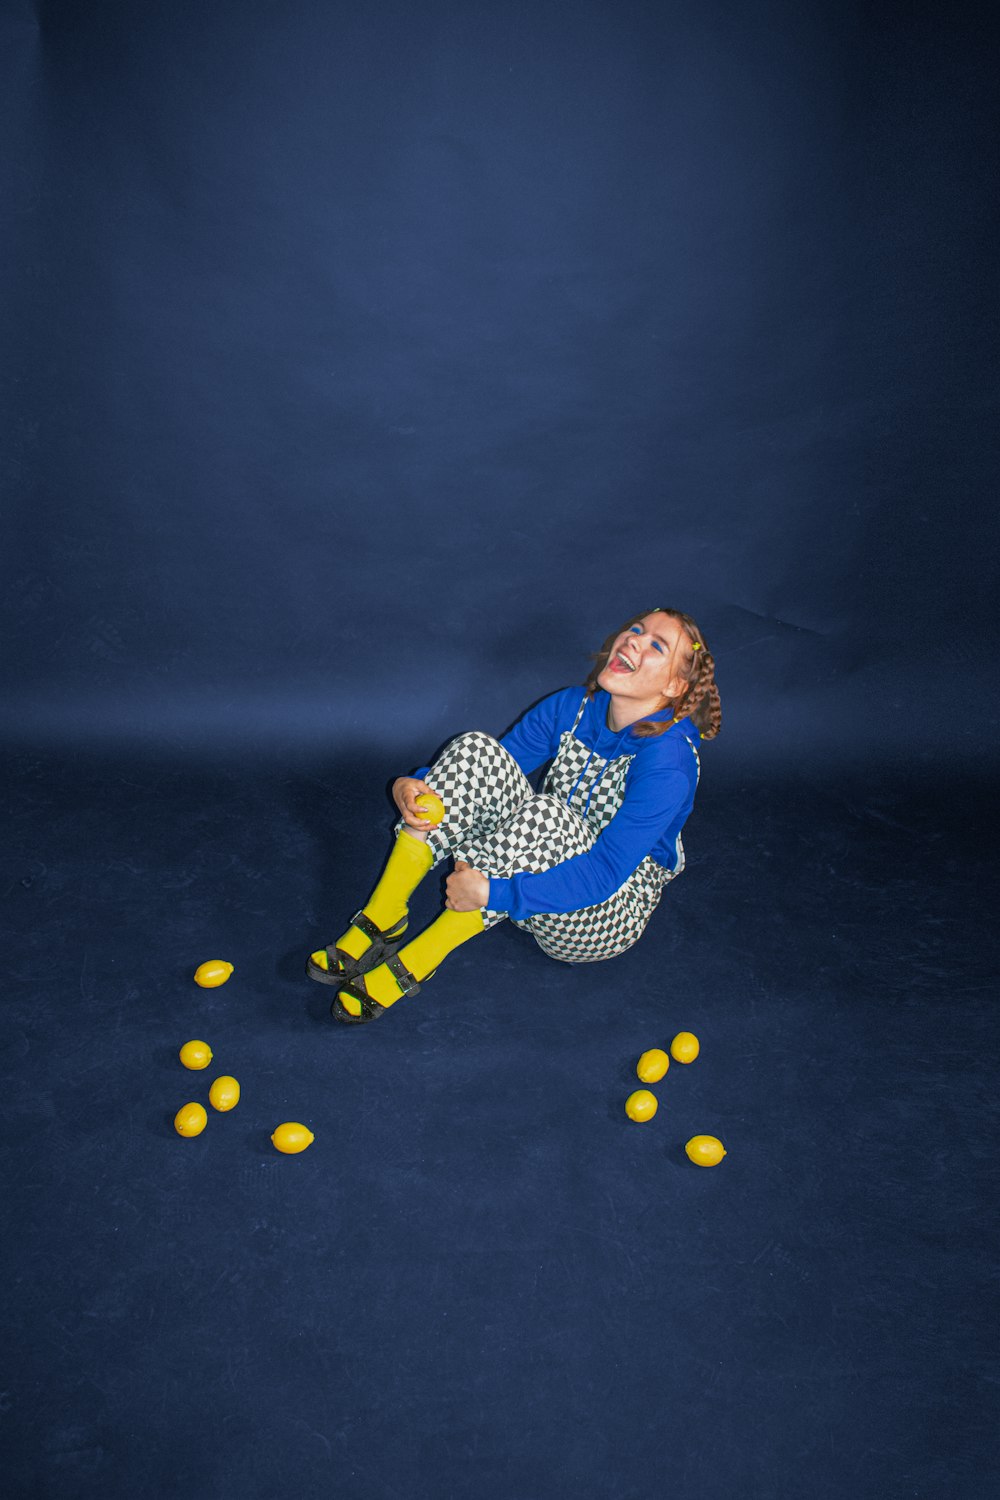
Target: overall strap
(697, 758)
(579, 715)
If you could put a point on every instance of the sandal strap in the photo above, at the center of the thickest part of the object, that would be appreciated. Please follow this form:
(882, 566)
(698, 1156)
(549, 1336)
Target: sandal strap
(365, 924)
(370, 1007)
(408, 983)
(357, 991)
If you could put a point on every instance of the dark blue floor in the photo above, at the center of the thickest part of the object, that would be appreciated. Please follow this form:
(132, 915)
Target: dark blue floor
(482, 1279)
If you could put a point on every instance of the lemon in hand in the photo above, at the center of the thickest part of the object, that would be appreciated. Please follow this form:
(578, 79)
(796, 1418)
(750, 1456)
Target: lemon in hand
(652, 1065)
(705, 1150)
(685, 1047)
(291, 1138)
(195, 1055)
(191, 1119)
(224, 1094)
(213, 973)
(641, 1105)
(431, 807)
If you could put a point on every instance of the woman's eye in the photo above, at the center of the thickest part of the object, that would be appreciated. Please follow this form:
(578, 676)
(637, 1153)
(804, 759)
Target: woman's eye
(636, 630)
(658, 647)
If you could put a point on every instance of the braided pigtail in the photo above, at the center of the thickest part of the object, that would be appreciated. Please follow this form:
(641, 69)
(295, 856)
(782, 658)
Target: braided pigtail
(701, 702)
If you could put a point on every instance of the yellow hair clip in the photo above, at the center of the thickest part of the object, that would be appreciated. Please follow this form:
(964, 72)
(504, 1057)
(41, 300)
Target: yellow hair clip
(696, 646)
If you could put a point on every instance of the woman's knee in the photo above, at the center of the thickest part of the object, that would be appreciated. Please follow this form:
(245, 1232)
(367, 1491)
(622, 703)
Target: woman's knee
(472, 735)
(475, 743)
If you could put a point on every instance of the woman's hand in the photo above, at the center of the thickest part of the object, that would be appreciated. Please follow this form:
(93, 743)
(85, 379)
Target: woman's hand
(466, 889)
(405, 791)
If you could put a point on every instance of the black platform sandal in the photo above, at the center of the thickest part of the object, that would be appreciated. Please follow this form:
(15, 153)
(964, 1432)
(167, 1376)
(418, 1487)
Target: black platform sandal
(370, 1007)
(383, 946)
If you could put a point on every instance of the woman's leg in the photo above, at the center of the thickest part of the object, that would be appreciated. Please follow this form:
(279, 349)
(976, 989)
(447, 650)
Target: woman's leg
(388, 905)
(480, 784)
(540, 833)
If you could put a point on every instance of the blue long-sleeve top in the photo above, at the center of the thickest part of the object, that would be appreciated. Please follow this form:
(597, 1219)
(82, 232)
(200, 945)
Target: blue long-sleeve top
(659, 794)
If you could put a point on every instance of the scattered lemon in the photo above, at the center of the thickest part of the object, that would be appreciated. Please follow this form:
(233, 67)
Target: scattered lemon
(213, 973)
(292, 1138)
(195, 1055)
(684, 1047)
(641, 1105)
(652, 1065)
(191, 1120)
(431, 806)
(224, 1093)
(705, 1150)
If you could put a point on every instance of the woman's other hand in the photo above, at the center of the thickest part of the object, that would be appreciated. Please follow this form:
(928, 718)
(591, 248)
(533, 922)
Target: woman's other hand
(466, 889)
(405, 791)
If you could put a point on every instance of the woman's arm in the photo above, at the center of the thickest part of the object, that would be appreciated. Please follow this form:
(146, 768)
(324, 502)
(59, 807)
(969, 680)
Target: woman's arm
(652, 802)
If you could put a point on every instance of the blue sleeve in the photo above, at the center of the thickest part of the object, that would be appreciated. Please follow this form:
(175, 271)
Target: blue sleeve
(534, 739)
(654, 795)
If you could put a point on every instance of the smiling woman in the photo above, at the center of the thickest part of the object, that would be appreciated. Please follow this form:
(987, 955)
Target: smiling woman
(676, 666)
(582, 864)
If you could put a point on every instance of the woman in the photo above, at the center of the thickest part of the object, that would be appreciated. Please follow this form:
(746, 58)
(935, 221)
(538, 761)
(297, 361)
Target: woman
(581, 865)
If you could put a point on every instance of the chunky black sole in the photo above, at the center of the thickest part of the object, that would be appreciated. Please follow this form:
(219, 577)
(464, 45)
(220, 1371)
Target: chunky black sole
(383, 945)
(370, 1008)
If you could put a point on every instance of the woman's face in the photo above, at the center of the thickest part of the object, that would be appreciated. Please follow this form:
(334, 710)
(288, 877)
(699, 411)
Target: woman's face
(642, 664)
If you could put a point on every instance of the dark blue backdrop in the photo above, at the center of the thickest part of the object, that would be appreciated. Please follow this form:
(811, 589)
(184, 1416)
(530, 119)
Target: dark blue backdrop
(363, 367)
(350, 348)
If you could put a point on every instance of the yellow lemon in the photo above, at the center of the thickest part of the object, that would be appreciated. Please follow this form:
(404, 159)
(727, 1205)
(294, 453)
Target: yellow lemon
(191, 1120)
(292, 1138)
(684, 1047)
(224, 1093)
(652, 1065)
(431, 807)
(641, 1105)
(705, 1150)
(213, 973)
(195, 1055)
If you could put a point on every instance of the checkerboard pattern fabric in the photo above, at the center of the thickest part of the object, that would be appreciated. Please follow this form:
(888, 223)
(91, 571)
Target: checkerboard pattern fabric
(496, 822)
(596, 787)
(543, 833)
(481, 786)
(591, 786)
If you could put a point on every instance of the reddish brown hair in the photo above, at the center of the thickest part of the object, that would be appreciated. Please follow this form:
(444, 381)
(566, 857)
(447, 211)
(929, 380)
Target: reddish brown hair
(700, 700)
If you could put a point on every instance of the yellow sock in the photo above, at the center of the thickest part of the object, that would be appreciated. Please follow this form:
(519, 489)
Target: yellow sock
(406, 867)
(421, 957)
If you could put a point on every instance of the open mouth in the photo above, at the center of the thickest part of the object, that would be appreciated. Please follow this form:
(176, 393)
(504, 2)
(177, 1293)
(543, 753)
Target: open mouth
(620, 660)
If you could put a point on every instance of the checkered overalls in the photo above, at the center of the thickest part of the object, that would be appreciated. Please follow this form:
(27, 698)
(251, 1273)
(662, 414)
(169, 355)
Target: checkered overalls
(496, 822)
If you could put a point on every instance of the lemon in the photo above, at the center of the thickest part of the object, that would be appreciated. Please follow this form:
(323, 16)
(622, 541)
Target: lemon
(213, 973)
(652, 1065)
(705, 1150)
(685, 1047)
(224, 1093)
(191, 1120)
(292, 1138)
(431, 806)
(195, 1055)
(641, 1105)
